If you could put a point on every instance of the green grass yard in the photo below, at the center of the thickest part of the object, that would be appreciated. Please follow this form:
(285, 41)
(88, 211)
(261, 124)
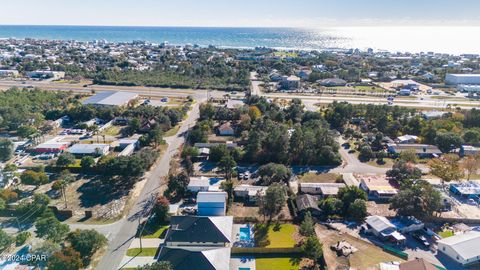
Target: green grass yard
(146, 252)
(282, 238)
(155, 233)
(276, 264)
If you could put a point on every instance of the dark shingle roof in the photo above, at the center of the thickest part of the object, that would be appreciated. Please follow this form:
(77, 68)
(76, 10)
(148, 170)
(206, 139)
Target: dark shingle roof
(182, 259)
(194, 229)
(305, 202)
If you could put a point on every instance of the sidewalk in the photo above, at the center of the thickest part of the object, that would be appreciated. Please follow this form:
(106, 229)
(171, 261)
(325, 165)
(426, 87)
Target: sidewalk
(146, 243)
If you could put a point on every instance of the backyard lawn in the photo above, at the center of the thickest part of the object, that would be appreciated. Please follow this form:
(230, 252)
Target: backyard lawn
(276, 264)
(445, 234)
(282, 238)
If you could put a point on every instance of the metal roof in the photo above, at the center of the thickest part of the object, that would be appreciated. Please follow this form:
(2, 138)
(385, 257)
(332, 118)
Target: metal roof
(111, 98)
(466, 245)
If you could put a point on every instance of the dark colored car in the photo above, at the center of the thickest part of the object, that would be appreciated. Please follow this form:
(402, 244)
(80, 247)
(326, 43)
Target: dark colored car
(421, 239)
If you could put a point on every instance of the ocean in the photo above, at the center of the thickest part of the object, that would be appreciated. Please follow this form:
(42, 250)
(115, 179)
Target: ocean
(453, 40)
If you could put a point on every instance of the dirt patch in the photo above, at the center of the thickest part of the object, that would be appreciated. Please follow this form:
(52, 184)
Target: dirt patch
(380, 209)
(320, 178)
(367, 257)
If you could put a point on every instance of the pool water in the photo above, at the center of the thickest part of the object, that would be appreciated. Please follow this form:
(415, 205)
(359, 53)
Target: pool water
(243, 268)
(245, 233)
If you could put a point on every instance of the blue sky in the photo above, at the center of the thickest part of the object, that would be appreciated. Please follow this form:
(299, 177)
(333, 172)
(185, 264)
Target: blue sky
(228, 13)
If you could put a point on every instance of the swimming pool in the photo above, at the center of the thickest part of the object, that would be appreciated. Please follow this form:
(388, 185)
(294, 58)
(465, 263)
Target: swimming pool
(243, 268)
(245, 233)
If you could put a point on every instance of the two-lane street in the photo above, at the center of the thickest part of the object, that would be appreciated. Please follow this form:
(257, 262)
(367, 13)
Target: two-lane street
(120, 240)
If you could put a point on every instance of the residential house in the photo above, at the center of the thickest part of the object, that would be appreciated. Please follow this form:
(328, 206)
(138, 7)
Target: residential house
(406, 139)
(202, 183)
(234, 104)
(469, 189)
(229, 144)
(184, 259)
(249, 193)
(308, 202)
(382, 228)
(468, 150)
(378, 187)
(212, 203)
(323, 189)
(199, 233)
(226, 129)
(462, 248)
(407, 224)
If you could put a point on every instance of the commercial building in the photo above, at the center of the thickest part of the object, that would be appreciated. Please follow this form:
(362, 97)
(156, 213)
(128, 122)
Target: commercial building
(455, 79)
(111, 98)
(89, 149)
(46, 74)
(8, 73)
(422, 150)
(462, 248)
(212, 203)
(290, 82)
(52, 146)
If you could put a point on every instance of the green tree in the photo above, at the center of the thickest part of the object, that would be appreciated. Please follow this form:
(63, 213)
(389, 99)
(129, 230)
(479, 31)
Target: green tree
(274, 173)
(65, 159)
(160, 209)
(357, 210)
(3, 204)
(66, 259)
(50, 228)
(177, 185)
(21, 238)
(218, 152)
(404, 172)
(29, 177)
(87, 163)
(5, 240)
(409, 155)
(307, 228)
(6, 149)
(86, 242)
(448, 141)
(349, 194)
(420, 200)
(227, 164)
(273, 201)
(312, 248)
(331, 207)
(447, 168)
(366, 153)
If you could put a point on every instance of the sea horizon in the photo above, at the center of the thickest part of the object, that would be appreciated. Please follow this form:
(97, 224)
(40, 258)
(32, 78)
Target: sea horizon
(414, 39)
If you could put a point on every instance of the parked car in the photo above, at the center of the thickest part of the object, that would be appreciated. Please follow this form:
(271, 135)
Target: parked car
(421, 239)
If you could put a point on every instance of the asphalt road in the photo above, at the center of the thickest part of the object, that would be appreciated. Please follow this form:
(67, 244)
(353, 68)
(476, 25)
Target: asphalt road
(123, 232)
